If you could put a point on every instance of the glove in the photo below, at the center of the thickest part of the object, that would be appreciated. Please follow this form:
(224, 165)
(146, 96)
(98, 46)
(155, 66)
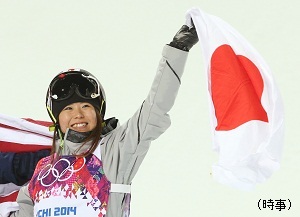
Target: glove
(185, 38)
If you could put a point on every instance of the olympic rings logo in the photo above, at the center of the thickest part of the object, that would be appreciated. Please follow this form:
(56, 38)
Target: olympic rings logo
(51, 173)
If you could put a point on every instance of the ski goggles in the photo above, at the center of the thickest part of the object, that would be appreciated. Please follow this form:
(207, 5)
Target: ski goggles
(65, 84)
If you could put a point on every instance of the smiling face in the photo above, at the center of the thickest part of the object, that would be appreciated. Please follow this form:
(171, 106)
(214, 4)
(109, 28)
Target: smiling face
(79, 116)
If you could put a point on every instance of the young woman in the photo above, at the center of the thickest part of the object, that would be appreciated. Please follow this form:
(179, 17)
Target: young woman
(93, 159)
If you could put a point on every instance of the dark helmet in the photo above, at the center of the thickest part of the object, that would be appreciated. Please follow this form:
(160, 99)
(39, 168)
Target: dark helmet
(71, 86)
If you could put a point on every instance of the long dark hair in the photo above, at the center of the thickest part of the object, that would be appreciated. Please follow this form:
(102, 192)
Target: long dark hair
(95, 137)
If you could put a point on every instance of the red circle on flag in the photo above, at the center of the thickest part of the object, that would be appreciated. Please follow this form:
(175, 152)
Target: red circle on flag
(236, 89)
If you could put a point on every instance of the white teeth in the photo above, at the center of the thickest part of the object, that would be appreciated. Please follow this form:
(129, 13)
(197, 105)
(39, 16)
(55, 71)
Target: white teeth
(79, 125)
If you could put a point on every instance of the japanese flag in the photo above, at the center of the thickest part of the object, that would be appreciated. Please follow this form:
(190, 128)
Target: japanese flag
(246, 108)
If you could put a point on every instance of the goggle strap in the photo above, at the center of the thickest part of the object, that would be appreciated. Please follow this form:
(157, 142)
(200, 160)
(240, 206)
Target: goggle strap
(52, 128)
(51, 115)
(101, 106)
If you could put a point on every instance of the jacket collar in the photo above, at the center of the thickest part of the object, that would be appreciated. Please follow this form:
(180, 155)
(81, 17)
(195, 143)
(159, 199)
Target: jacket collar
(73, 140)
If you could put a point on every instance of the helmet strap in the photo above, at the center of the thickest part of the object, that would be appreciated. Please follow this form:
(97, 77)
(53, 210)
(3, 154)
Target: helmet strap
(55, 127)
(51, 116)
(102, 103)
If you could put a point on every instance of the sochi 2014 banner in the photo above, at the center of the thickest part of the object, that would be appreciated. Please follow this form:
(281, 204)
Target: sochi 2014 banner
(246, 107)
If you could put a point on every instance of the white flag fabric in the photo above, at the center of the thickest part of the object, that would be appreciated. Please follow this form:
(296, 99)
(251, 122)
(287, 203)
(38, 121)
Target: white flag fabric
(246, 107)
(21, 135)
(7, 207)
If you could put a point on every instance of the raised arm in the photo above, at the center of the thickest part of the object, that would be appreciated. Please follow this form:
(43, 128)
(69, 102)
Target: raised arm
(124, 150)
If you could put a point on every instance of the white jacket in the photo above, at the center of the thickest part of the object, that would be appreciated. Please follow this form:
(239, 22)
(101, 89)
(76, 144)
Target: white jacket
(124, 148)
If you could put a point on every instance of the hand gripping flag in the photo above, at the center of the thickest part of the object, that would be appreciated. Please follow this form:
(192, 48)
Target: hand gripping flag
(21, 135)
(246, 108)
